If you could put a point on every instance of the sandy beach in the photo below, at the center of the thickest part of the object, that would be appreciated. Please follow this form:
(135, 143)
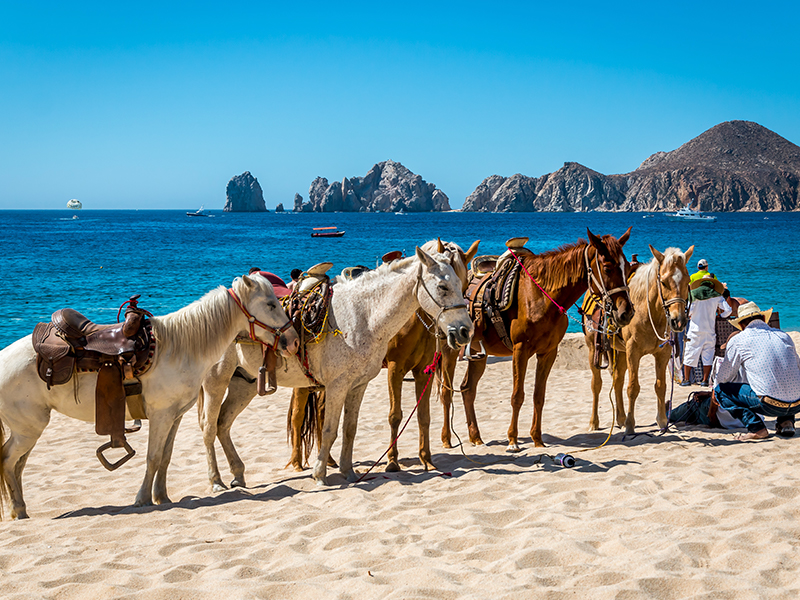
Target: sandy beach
(687, 514)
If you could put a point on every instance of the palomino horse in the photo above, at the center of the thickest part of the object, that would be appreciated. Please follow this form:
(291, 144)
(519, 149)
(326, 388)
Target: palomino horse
(536, 324)
(188, 342)
(364, 314)
(659, 291)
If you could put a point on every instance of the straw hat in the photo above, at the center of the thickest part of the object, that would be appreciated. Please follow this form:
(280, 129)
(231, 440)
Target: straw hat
(715, 283)
(748, 310)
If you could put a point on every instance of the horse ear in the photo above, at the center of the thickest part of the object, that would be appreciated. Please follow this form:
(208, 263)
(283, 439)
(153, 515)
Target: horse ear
(659, 257)
(688, 254)
(440, 246)
(594, 240)
(247, 281)
(473, 250)
(624, 237)
(424, 258)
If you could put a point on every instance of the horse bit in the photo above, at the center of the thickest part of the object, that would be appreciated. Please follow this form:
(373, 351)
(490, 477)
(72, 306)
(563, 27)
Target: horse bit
(253, 322)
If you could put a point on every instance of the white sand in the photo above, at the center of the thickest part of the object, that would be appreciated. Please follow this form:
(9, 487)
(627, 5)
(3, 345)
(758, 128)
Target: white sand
(690, 514)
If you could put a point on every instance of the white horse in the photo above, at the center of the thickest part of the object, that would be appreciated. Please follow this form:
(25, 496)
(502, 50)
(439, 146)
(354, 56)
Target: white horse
(368, 311)
(188, 342)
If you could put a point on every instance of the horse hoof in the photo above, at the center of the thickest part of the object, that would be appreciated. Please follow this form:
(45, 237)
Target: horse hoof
(446, 444)
(238, 482)
(218, 487)
(298, 468)
(164, 500)
(351, 477)
(428, 466)
(513, 448)
(393, 467)
(332, 463)
(19, 515)
(142, 503)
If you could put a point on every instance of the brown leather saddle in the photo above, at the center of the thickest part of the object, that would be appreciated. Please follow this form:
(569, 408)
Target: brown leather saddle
(120, 353)
(492, 287)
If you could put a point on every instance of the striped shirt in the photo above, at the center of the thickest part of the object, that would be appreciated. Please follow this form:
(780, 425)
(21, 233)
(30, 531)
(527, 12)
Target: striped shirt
(768, 359)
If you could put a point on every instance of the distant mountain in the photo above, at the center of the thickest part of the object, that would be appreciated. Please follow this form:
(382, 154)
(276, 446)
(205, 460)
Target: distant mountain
(387, 187)
(736, 165)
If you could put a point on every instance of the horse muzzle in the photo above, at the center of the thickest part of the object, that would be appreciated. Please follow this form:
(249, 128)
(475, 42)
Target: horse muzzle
(677, 324)
(458, 336)
(623, 312)
(289, 343)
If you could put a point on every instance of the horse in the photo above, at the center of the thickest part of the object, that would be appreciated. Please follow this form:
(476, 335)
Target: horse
(188, 342)
(536, 323)
(364, 314)
(659, 291)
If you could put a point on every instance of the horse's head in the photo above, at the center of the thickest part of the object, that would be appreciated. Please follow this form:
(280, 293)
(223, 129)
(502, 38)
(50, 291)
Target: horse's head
(439, 292)
(673, 278)
(610, 269)
(458, 259)
(268, 321)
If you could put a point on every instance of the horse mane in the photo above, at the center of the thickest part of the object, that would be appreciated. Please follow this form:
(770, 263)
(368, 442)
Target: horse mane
(639, 285)
(194, 328)
(555, 269)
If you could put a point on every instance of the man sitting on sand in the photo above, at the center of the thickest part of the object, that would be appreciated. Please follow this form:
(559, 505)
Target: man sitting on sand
(766, 358)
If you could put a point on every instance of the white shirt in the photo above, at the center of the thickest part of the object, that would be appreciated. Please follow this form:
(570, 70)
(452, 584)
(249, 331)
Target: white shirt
(767, 357)
(703, 315)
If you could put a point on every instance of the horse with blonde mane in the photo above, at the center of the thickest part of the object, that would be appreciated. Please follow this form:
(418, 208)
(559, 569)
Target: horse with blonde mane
(364, 315)
(659, 291)
(187, 342)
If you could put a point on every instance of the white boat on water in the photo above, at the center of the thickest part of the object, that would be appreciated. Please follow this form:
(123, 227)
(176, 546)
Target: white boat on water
(74, 204)
(688, 214)
(198, 213)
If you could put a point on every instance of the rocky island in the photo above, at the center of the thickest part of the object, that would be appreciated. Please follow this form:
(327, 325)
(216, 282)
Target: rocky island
(736, 165)
(244, 194)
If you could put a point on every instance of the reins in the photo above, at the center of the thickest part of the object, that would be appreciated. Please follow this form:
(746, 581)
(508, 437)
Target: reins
(442, 308)
(253, 323)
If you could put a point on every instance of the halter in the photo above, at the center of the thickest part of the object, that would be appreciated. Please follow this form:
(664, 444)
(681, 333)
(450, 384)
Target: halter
(604, 295)
(665, 304)
(442, 309)
(253, 322)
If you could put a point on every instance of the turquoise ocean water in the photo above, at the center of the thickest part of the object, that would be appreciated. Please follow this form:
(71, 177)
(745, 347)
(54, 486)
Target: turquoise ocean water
(50, 260)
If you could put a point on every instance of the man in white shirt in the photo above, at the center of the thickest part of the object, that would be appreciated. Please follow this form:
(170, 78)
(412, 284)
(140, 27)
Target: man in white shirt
(709, 296)
(768, 360)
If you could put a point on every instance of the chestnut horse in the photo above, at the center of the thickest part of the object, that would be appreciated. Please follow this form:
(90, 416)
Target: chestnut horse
(536, 324)
(659, 291)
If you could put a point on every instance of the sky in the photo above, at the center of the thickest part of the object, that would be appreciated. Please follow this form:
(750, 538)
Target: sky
(157, 105)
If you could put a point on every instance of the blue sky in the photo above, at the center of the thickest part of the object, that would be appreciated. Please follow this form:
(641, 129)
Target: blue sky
(157, 105)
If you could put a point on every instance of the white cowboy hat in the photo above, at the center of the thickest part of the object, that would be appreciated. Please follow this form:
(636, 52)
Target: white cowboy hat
(715, 283)
(748, 310)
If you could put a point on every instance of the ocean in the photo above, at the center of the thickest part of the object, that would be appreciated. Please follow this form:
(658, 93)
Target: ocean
(94, 263)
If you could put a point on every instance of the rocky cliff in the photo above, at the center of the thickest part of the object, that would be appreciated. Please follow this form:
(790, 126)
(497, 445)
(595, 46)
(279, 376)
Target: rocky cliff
(736, 165)
(244, 194)
(387, 187)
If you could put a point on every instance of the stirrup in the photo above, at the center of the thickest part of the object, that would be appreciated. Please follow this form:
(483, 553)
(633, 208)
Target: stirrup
(479, 356)
(137, 425)
(601, 361)
(114, 466)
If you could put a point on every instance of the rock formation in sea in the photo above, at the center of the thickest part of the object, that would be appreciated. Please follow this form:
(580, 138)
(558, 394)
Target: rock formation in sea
(244, 194)
(387, 187)
(736, 165)
(279, 208)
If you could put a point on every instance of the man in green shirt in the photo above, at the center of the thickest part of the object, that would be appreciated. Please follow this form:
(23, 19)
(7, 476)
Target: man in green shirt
(702, 271)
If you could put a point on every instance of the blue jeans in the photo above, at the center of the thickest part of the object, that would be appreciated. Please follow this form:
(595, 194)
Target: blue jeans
(741, 401)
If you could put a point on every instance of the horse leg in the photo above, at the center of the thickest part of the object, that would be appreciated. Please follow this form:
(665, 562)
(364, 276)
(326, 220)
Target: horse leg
(161, 423)
(209, 402)
(633, 389)
(520, 367)
(423, 389)
(334, 402)
(449, 359)
(618, 375)
(297, 411)
(15, 452)
(469, 388)
(352, 405)
(544, 362)
(597, 387)
(240, 395)
(395, 377)
(662, 359)
(160, 482)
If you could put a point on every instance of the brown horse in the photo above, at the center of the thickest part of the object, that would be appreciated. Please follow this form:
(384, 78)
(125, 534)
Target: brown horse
(536, 325)
(659, 291)
(412, 349)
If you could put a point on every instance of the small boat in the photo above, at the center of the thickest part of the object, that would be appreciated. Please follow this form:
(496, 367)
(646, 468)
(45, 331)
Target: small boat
(688, 214)
(74, 204)
(326, 232)
(198, 213)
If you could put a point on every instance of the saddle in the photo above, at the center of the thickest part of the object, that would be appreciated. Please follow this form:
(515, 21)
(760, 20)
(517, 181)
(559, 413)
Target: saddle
(492, 287)
(120, 353)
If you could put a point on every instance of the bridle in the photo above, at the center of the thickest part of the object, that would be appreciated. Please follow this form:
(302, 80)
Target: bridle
(253, 322)
(665, 304)
(442, 309)
(603, 294)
